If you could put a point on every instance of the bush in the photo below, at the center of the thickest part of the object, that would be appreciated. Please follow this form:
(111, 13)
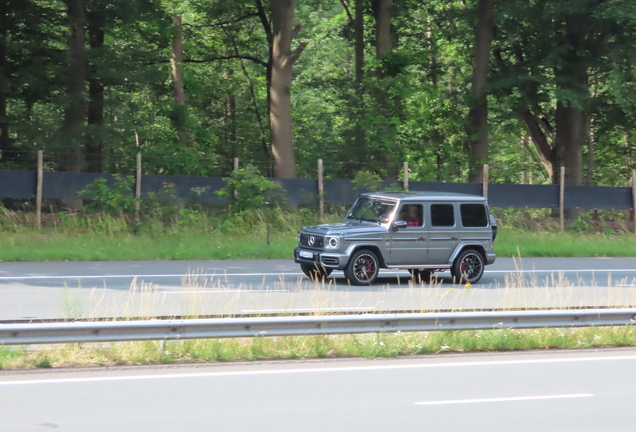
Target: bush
(247, 190)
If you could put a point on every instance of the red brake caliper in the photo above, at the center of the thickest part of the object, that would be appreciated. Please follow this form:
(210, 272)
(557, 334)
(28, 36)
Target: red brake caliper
(369, 268)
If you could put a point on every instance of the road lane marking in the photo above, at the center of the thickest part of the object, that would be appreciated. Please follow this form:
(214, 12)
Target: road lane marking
(366, 308)
(223, 291)
(313, 370)
(508, 399)
(212, 275)
(223, 275)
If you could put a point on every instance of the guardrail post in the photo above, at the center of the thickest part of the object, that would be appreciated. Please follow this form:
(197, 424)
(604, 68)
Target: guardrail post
(406, 176)
(562, 198)
(321, 191)
(38, 191)
(138, 188)
(484, 186)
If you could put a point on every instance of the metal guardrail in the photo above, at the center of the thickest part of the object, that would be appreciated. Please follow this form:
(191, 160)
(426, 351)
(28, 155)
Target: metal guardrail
(113, 331)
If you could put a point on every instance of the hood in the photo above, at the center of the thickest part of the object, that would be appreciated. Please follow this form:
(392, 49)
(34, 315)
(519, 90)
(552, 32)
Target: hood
(344, 228)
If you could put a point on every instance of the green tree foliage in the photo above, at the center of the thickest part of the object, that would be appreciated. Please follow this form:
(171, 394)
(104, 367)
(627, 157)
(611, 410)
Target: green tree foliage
(550, 60)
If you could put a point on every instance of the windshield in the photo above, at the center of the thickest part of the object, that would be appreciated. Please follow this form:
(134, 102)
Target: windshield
(372, 210)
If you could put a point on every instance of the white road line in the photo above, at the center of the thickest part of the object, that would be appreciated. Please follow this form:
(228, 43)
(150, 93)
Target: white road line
(313, 370)
(224, 291)
(508, 399)
(223, 275)
(211, 275)
(370, 308)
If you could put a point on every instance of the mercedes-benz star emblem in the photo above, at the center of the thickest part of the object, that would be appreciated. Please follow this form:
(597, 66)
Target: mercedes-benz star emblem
(312, 240)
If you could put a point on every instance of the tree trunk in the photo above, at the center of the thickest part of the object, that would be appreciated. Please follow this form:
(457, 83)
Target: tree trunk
(75, 112)
(359, 132)
(280, 102)
(94, 157)
(6, 154)
(478, 115)
(540, 140)
(180, 116)
(384, 46)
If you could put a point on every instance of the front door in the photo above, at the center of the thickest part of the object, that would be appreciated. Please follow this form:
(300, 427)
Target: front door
(409, 246)
(444, 233)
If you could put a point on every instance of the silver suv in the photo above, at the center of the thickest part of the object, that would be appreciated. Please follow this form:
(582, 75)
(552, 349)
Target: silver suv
(423, 232)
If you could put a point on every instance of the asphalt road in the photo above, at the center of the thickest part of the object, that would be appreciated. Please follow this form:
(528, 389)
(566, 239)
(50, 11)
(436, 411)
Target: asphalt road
(555, 391)
(173, 288)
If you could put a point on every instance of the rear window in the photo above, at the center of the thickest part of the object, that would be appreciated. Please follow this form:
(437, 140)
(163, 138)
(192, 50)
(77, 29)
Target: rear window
(473, 215)
(442, 215)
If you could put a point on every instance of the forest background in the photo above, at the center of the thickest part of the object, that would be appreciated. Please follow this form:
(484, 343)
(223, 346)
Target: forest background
(525, 86)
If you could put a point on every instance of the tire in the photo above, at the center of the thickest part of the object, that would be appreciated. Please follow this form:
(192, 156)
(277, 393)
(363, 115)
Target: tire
(363, 268)
(315, 272)
(468, 267)
(421, 275)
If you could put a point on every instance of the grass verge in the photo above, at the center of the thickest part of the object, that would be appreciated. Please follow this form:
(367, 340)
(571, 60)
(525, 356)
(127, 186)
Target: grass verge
(372, 345)
(210, 244)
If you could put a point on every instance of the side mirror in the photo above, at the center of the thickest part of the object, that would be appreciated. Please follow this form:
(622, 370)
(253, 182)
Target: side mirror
(400, 224)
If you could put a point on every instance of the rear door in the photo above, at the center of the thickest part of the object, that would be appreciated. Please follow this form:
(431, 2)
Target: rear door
(444, 231)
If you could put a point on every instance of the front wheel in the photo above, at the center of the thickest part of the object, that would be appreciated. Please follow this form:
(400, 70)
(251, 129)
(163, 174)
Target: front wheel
(468, 267)
(363, 268)
(315, 271)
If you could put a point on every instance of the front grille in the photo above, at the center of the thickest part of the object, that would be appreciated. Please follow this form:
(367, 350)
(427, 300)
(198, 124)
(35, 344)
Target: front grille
(306, 239)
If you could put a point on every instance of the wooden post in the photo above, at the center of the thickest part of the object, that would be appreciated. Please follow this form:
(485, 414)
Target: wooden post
(269, 229)
(138, 188)
(634, 197)
(236, 167)
(562, 198)
(406, 176)
(484, 186)
(321, 191)
(38, 191)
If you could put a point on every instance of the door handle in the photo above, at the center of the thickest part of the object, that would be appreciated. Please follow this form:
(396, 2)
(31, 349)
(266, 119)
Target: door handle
(454, 238)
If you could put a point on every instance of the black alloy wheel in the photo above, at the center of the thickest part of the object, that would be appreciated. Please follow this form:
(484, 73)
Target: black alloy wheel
(363, 268)
(315, 272)
(468, 267)
(421, 275)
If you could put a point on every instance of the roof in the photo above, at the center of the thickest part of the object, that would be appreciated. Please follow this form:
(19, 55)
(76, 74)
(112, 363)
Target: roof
(424, 195)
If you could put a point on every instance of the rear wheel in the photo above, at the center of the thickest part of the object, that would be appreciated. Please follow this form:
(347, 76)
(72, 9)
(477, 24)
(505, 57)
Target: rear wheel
(363, 268)
(421, 275)
(468, 267)
(315, 271)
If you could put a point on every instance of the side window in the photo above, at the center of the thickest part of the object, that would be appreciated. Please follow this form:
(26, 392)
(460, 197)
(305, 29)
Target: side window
(473, 215)
(413, 214)
(442, 215)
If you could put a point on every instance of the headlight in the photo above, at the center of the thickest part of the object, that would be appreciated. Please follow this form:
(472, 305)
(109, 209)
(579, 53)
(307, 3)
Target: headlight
(332, 242)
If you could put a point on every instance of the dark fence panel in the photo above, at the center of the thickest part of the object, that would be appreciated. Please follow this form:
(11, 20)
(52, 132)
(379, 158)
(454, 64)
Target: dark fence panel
(66, 185)
(598, 197)
(18, 184)
(63, 185)
(522, 196)
(200, 188)
(299, 191)
(340, 192)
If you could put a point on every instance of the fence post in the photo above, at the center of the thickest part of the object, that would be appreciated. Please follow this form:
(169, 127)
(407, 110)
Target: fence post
(634, 197)
(484, 186)
(138, 188)
(406, 176)
(321, 191)
(562, 198)
(38, 191)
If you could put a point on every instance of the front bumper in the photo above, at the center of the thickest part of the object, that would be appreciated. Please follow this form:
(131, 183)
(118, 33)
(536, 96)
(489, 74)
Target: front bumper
(334, 260)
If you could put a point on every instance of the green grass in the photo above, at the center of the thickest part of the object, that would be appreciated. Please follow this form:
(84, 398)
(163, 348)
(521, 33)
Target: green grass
(373, 345)
(200, 236)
